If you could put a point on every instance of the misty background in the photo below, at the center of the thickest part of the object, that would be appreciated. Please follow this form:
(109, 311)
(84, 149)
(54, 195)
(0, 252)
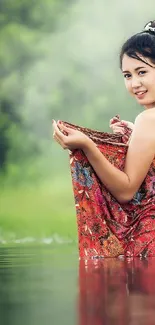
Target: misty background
(59, 59)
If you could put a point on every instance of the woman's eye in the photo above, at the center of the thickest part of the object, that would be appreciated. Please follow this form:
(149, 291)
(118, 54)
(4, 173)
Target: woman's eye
(127, 75)
(142, 72)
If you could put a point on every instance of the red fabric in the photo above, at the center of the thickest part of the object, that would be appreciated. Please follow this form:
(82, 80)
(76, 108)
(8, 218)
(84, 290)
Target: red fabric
(107, 228)
(116, 291)
(102, 292)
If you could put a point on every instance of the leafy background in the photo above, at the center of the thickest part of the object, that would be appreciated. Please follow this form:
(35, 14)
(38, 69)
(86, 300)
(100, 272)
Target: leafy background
(59, 59)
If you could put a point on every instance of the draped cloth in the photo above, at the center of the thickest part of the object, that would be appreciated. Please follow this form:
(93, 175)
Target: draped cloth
(107, 228)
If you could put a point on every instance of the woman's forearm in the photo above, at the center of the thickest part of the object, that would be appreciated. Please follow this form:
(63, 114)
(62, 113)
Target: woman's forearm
(115, 180)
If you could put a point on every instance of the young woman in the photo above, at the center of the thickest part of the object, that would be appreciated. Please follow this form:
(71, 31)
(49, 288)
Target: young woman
(137, 60)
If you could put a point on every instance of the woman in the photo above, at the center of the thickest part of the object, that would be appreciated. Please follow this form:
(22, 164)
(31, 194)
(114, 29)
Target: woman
(136, 234)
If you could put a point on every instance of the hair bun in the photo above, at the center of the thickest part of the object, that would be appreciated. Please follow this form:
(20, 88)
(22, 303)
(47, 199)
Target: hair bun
(150, 27)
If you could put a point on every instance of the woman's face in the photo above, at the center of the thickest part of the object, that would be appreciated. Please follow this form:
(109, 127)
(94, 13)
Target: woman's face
(140, 80)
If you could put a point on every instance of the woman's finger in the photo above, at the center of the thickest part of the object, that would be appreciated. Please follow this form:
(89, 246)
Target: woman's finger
(57, 139)
(124, 123)
(115, 119)
(115, 124)
(117, 127)
(118, 130)
(57, 131)
(64, 128)
(128, 124)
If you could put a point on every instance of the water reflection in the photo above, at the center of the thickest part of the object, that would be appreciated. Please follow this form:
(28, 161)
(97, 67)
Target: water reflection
(38, 285)
(41, 285)
(116, 291)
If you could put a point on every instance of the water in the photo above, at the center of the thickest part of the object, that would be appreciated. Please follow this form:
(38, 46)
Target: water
(38, 285)
(49, 285)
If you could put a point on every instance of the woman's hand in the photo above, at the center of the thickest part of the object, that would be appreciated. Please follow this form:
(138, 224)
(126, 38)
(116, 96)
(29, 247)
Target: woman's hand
(119, 126)
(69, 138)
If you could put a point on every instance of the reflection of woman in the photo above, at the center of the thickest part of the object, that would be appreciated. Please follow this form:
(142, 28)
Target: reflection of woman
(118, 208)
(113, 291)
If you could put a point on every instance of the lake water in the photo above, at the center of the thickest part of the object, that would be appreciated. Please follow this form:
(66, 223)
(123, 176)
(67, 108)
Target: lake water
(47, 284)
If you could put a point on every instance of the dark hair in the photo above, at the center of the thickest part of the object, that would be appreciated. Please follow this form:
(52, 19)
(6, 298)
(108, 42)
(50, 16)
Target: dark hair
(142, 43)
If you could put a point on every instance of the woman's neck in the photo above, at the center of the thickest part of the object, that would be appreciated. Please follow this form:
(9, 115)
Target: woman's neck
(152, 105)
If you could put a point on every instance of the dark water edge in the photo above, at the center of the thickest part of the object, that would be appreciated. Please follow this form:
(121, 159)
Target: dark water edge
(49, 285)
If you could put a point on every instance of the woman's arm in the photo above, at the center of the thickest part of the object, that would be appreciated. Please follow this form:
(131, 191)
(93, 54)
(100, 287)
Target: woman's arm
(124, 184)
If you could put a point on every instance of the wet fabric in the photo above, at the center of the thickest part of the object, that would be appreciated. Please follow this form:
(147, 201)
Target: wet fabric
(107, 228)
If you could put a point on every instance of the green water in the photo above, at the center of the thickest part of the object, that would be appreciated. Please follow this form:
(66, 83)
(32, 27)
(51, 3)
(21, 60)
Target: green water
(38, 285)
(47, 284)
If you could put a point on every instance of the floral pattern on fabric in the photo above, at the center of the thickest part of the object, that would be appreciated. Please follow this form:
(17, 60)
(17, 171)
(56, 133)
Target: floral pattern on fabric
(107, 228)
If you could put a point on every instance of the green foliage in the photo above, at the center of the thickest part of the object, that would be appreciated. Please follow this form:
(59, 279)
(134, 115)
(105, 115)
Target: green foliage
(37, 211)
(58, 59)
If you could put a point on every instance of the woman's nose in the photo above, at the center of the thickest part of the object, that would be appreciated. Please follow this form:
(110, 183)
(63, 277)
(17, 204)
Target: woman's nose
(136, 82)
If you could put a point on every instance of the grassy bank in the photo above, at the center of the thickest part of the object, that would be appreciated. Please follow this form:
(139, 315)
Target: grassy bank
(38, 211)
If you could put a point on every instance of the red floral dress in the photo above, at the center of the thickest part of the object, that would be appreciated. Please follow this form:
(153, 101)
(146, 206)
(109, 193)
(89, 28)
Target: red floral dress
(107, 228)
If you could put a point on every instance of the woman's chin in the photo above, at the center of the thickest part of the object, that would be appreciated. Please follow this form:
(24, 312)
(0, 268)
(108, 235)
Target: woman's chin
(146, 103)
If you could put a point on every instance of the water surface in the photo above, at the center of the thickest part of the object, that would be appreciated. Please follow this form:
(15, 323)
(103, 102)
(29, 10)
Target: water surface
(49, 285)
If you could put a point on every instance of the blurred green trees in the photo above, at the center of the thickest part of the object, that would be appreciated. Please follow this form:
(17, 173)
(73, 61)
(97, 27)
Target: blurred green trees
(59, 59)
(23, 24)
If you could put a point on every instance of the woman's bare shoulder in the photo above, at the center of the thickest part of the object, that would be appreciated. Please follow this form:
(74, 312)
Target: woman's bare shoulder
(146, 120)
(147, 114)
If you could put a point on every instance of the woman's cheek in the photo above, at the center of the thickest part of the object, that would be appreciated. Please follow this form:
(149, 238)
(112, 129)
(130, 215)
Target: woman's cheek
(128, 87)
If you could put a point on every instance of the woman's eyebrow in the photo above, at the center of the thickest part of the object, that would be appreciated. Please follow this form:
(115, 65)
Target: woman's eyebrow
(134, 69)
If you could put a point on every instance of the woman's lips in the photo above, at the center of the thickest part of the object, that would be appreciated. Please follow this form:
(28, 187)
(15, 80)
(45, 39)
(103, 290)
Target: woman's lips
(141, 94)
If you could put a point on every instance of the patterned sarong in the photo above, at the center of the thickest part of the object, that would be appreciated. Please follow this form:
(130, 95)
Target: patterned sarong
(107, 228)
